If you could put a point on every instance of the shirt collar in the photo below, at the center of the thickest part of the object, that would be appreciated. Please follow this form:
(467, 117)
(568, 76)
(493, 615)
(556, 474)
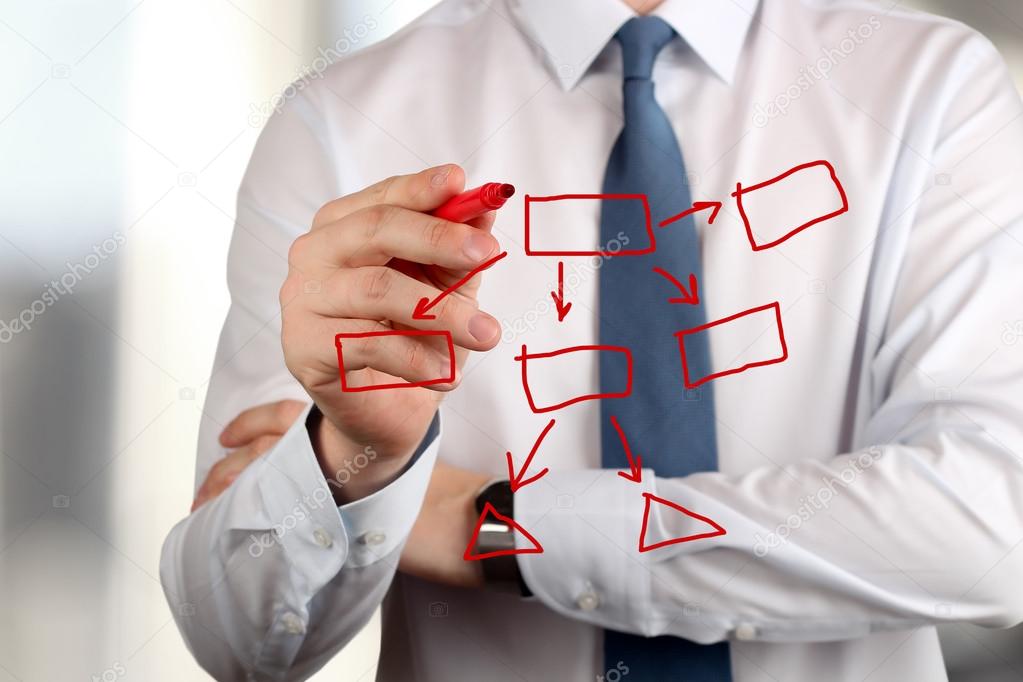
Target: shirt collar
(573, 32)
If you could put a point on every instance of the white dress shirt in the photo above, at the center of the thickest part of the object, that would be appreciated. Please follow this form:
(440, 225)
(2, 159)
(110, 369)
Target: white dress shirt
(871, 485)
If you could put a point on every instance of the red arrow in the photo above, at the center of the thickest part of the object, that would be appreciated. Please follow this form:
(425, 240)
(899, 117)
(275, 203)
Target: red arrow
(516, 480)
(697, 206)
(635, 463)
(425, 304)
(559, 296)
(691, 297)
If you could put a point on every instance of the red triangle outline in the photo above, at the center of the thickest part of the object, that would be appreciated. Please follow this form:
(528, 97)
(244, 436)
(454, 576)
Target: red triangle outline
(674, 541)
(487, 507)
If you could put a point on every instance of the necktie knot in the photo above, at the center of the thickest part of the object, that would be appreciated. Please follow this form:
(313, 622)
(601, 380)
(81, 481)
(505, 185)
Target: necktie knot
(642, 38)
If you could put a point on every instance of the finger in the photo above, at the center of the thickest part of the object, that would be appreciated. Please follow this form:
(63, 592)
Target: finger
(375, 235)
(224, 472)
(269, 418)
(422, 191)
(383, 293)
(443, 277)
(485, 222)
(376, 355)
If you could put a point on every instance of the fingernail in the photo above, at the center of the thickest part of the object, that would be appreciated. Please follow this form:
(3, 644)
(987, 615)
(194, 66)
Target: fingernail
(483, 327)
(478, 246)
(438, 178)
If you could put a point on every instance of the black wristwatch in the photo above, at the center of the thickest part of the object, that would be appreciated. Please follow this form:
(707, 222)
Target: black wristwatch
(499, 572)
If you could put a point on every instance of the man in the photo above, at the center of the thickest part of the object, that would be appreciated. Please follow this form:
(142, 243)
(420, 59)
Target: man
(810, 517)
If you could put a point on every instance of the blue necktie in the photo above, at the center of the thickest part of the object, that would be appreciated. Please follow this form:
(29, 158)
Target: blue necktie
(672, 429)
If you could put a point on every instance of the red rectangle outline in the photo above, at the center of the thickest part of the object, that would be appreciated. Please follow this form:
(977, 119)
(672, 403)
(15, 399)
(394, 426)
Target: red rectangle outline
(759, 363)
(740, 190)
(345, 388)
(589, 396)
(603, 197)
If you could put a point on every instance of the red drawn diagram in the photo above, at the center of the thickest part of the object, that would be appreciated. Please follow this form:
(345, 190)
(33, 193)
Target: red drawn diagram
(772, 212)
(635, 473)
(793, 188)
(714, 207)
(488, 511)
(559, 295)
(774, 313)
(532, 229)
(529, 359)
(645, 545)
(691, 297)
(340, 339)
(518, 480)
(425, 304)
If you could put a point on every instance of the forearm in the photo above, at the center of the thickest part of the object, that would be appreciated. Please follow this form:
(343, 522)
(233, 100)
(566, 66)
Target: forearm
(887, 538)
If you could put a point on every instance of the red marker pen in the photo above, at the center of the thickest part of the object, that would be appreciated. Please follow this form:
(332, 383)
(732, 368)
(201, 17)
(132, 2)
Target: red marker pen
(472, 203)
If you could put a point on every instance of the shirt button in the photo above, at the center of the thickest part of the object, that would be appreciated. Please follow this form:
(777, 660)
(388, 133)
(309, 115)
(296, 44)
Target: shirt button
(293, 625)
(587, 601)
(322, 538)
(373, 538)
(745, 632)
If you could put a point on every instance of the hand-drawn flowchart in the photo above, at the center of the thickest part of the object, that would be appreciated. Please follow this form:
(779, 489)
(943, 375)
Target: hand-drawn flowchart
(805, 195)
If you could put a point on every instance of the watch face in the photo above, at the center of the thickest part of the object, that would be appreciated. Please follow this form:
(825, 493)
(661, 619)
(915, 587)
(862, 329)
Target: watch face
(500, 572)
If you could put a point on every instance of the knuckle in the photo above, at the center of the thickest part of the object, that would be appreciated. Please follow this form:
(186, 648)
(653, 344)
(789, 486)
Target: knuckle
(380, 192)
(376, 218)
(447, 309)
(370, 349)
(377, 283)
(299, 248)
(292, 333)
(290, 342)
(415, 358)
(434, 232)
(290, 288)
(324, 214)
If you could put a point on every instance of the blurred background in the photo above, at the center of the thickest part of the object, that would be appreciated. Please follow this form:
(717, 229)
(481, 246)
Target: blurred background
(125, 126)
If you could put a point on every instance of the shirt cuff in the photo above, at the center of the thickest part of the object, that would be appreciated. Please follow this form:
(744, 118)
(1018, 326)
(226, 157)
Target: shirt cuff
(379, 523)
(307, 522)
(589, 524)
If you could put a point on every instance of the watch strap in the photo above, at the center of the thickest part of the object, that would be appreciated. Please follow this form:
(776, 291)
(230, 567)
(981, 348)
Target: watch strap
(500, 572)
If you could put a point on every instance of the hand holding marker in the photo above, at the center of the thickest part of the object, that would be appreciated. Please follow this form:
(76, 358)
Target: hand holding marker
(371, 312)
